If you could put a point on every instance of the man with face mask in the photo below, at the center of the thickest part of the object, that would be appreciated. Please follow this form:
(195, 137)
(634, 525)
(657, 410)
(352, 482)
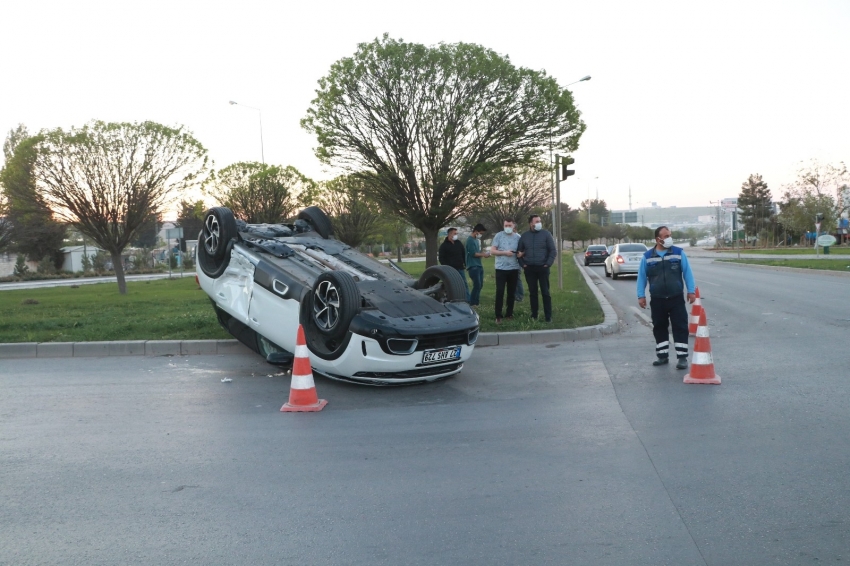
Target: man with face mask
(536, 253)
(665, 267)
(453, 254)
(474, 253)
(507, 268)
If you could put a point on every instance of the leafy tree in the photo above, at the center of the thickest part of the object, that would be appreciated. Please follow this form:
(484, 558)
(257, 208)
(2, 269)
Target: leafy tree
(597, 208)
(437, 125)
(526, 190)
(797, 212)
(259, 193)
(108, 179)
(29, 221)
(5, 224)
(394, 233)
(354, 216)
(614, 232)
(190, 217)
(581, 230)
(755, 204)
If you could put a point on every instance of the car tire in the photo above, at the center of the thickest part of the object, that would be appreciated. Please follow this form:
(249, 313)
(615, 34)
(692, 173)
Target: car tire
(318, 220)
(586, 263)
(219, 228)
(614, 274)
(334, 302)
(443, 283)
(215, 241)
(607, 273)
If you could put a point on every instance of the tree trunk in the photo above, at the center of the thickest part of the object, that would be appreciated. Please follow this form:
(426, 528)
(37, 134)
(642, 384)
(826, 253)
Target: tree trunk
(399, 254)
(119, 273)
(431, 246)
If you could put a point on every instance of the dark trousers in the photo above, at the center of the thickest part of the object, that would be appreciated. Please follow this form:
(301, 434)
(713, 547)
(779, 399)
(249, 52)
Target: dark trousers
(538, 275)
(476, 273)
(675, 311)
(509, 278)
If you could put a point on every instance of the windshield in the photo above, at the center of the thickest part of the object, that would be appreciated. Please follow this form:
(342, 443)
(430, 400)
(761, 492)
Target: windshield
(632, 248)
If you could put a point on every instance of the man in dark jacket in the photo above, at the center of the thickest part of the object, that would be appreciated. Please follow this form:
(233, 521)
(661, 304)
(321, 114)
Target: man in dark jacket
(536, 252)
(453, 253)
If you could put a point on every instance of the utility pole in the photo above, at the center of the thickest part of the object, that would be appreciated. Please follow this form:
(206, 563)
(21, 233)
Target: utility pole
(717, 217)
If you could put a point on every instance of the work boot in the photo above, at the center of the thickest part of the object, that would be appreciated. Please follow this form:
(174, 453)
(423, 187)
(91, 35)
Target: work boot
(660, 361)
(682, 363)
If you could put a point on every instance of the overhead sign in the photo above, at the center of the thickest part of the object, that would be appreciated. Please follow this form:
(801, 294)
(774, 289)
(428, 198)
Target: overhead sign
(729, 203)
(826, 240)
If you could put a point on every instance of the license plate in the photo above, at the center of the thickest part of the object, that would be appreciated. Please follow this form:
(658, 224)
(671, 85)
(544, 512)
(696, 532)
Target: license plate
(441, 355)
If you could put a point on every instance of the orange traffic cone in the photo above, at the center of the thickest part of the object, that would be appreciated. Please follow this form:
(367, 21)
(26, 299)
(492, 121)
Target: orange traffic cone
(302, 391)
(702, 366)
(696, 310)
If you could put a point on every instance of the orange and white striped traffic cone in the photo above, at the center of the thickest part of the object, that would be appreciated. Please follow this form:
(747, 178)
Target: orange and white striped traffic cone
(702, 365)
(302, 391)
(696, 311)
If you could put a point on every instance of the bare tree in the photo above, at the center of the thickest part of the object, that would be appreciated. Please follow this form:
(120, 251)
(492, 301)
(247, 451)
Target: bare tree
(524, 191)
(259, 193)
(354, 216)
(108, 179)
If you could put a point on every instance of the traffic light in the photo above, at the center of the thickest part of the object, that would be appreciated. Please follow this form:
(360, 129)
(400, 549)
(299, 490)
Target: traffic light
(565, 163)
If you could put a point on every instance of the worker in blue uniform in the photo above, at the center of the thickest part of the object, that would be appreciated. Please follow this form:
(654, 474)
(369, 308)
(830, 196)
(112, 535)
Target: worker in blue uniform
(666, 269)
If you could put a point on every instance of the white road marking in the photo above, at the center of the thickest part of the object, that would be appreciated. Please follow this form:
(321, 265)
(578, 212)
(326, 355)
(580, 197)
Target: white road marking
(641, 314)
(710, 283)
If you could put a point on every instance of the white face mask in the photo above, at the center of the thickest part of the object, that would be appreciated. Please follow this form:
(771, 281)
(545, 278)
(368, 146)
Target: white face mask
(508, 229)
(477, 236)
(454, 237)
(538, 226)
(668, 242)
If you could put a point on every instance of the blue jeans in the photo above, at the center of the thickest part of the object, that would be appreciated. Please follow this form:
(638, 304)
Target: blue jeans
(462, 272)
(476, 273)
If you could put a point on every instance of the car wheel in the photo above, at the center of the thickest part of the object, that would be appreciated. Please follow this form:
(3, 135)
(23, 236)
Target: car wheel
(607, 273)
(442, 283)
(335, 301)
(219, 229)
(216, 240)
(319, 220)
(614, 274)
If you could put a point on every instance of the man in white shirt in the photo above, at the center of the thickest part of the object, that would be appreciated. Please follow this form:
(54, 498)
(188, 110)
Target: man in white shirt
(507, 267)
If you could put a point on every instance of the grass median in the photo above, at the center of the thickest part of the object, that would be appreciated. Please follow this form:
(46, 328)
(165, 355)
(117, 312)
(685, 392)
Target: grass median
(841, 264)
(174, 309)
(572, 307)
(163, 309)
(833, 250)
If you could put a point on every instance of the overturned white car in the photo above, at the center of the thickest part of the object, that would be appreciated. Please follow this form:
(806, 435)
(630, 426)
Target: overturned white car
(364, 321)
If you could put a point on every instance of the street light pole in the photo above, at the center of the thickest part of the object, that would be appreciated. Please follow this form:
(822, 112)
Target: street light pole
(260, 113)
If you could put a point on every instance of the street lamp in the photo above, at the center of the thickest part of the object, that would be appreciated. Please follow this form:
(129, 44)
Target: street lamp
(262, 152)
(556, 211)
(585, 78)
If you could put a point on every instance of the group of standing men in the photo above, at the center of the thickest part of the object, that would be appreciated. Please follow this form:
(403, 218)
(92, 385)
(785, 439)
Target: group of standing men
(533, 253)
(664, 268)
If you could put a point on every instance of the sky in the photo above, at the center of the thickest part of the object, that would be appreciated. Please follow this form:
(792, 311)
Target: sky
(686, 100)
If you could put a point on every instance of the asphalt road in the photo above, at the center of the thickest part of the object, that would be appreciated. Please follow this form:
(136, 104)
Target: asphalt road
(576, 453)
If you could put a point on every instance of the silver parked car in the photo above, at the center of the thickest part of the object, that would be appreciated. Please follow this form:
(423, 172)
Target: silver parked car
(624, 259)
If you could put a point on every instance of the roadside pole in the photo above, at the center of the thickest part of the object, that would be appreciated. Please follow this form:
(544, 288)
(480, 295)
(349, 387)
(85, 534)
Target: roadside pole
(556, 225)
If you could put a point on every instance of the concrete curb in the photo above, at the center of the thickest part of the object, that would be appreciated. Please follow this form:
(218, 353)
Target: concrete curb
(219, 347)
(120, 348)
(783, 268)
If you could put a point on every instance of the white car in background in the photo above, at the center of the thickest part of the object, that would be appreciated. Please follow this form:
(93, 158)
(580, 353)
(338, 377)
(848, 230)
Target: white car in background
(624, 260)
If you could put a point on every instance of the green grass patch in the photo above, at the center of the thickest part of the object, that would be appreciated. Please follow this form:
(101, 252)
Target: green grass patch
(833, 250)
(163, 309)
(842, 264)
(175, 309)
(572, 307)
